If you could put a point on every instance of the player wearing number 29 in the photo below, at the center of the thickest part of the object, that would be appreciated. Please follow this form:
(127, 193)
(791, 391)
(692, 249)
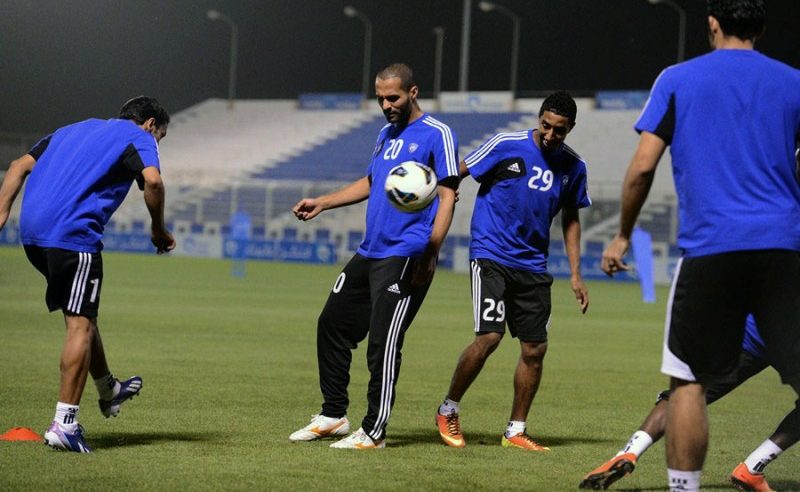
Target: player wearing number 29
(381, 288)
(526, 178)
(79, 175)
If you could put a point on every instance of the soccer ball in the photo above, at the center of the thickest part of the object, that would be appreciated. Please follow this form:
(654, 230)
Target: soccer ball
(411, 186)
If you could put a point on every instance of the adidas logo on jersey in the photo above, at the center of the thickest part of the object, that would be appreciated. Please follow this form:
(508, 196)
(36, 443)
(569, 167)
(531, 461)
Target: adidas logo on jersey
(394, 289)
(514, 167)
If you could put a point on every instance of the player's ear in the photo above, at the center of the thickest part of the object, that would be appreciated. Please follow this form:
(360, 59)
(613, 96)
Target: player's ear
(149, 124)
(413, 92)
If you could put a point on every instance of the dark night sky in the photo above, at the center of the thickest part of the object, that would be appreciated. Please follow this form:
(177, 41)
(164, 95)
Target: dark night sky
(62, 61)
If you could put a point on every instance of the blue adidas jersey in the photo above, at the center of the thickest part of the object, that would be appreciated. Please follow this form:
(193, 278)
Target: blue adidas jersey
(82, 174)
(390, 232)
(752, 343)
(731, 118)
(521, 190)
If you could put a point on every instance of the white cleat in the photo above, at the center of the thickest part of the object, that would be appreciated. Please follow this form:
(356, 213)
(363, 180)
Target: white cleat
(321, 427)
(358, 440)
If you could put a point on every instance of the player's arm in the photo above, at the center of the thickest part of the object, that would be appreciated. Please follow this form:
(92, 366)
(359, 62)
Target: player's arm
(154, 199)
(308, 208)
(426, 266)
(15, 177)
(571, 227)
(635, 188)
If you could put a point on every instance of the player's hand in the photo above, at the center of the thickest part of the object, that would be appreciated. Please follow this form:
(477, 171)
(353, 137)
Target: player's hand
(581, 292)
(307, 209)
(163, 241)
(425, 267)
(612, 256)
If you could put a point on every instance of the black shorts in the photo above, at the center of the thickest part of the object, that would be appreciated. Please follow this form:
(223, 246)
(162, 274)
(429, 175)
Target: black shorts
(748, 367)
(73, 278)
(503, 295)
(711, 297)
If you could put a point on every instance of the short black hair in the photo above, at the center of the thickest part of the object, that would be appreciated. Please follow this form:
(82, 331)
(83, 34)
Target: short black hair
(402, 72)
(142, 108)
(744, 19)
(560, 103)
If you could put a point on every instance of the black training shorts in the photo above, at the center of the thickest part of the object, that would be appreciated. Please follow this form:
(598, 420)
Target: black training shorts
(73, 278)
(711, 297)
(503, 295)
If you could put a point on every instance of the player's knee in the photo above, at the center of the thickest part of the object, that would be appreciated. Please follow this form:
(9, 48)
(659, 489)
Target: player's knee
(487, 342)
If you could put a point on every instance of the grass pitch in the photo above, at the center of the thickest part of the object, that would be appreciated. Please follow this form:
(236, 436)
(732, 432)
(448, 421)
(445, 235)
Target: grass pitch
(229, 368)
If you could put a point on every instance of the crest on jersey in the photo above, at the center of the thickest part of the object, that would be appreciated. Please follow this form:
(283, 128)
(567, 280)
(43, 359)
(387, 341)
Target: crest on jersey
(565, 180)
(412, 147)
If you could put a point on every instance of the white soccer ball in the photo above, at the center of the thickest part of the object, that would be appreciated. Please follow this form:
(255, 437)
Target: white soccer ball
(411, 186)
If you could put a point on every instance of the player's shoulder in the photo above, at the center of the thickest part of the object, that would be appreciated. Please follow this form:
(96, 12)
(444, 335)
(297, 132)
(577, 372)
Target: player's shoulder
(505, 139)
(571, 158)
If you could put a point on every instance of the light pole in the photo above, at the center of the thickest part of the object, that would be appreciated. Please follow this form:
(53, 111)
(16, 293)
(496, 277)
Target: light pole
(353, 12)
(437, 70)
(466, 22)
(681, 25)
(488, 7)
(217, 15)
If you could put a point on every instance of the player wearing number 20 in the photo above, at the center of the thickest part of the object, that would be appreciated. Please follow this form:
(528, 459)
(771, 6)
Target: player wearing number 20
(526, 178)
(383, 285)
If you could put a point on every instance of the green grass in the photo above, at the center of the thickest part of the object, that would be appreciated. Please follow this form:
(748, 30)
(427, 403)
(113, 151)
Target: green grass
(229, 370)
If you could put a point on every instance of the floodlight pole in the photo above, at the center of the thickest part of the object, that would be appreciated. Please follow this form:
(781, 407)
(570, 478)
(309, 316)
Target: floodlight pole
(437, 71)
(217, 15)
(488, 7)
(353, 12)
(681, 25)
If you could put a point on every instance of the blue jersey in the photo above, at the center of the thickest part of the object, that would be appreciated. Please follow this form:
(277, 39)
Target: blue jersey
(390, 232)
(521, 190)
(83, 172)
(752, 343)
(731, 118)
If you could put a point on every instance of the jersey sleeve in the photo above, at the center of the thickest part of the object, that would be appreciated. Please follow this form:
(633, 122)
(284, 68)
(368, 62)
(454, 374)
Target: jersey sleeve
(38, 149)
(481, 161)
(139, 154)
(658, 115)
(444, 152)
(577, 195)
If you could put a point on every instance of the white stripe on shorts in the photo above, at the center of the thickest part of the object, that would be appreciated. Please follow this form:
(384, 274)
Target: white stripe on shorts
(671, 365)
(79, 282)
(476, 294)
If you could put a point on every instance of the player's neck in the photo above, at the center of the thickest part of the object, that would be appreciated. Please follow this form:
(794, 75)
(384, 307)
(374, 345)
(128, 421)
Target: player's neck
(722, 42)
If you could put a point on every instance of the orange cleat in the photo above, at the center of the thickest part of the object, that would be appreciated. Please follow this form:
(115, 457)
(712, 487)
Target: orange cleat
(742, 479)
(450, 430)
(522, 441)
(609, 472)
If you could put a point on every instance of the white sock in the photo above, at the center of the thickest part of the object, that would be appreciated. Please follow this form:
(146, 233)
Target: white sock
(514, 427)
(67, 415)
(448, 406)
(762, 456)
(681, 481)
(107, 386)
(637, 444)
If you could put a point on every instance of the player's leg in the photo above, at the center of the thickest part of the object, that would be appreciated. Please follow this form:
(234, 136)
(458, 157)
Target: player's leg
(112, 392)
(488, 286)
(469, 365)
(749, 474)
(73, 281)
(708, 306)
(776, 312)
(341, 325)
(624, 462)
(395, 303)
(527, 304)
